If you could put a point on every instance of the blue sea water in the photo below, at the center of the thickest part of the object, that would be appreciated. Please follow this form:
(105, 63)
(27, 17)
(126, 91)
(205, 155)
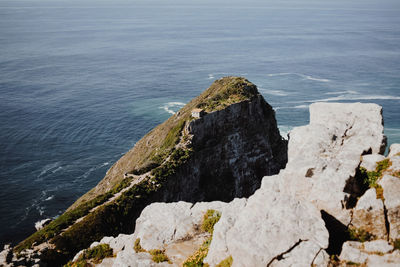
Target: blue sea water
(82, 81)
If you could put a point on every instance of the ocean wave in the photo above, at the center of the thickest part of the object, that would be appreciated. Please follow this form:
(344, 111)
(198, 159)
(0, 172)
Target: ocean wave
(304, 76)
(167, 107)
(49, 169)
(342, 92)
(211, 76)
(273, 92)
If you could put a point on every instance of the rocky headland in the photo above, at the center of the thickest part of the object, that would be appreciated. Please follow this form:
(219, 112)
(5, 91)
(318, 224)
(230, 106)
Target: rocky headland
(226, 189)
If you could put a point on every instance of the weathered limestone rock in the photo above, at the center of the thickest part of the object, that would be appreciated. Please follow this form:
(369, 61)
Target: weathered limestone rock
(369, 214)
(391, 189)
(394, 150)
(261, 234)
(377, 246)
(161, 224)
(373, 253)
(369, 162)
(352, 251)
(387, 260)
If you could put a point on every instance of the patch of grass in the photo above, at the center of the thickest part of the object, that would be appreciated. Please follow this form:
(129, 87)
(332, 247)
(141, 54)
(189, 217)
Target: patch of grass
(196, 259)
(137, 247)
(357, 234)
(169, 168)
(225, 263)
(211, 217)
(396, 174)
(78, 263)
(379, 192)
(383, 165)
(159, 255)
(396, 244)
(372, 177)
(97, 253)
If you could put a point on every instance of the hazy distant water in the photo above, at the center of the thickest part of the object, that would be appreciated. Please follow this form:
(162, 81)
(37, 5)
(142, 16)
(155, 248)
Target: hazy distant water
(82, 81)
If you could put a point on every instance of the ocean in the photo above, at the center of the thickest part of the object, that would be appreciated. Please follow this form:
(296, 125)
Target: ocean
(82, 81)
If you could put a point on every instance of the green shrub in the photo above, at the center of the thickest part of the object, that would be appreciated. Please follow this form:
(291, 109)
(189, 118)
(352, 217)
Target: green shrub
(137, 247)
(97, 253)
(360, 235)
(372, 177)
(211, 217)
(383, 165)
(396, 174)
(159, 255)
(78, 263)
(196, 259)
(225, 263)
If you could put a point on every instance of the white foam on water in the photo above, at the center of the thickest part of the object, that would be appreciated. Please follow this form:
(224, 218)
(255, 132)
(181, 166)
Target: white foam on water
(49, 198)
(52, 167)
(273, 92)
(342, 92)
(211, 76)
(279, 74)
(304, 76)
(168, 107)
(301, 106)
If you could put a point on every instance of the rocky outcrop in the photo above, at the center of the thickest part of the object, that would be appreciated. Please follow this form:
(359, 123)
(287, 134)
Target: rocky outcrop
(329, 192)
(373, 253)
(220, 156)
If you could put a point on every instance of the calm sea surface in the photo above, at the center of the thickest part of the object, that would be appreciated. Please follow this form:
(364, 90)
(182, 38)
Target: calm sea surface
(82, 81)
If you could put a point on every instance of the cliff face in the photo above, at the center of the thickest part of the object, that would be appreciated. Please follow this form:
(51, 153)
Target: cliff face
(233, 149)
(220, 156)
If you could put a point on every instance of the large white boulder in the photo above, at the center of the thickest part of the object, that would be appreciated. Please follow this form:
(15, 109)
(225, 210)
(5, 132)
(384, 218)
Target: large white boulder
(270, 228)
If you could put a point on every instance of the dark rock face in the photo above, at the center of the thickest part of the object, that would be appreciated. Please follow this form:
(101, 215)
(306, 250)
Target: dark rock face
(233, 149)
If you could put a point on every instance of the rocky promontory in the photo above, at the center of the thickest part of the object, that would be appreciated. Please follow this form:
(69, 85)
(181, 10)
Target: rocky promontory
(220, 155)
(220, 187)
(336, 203)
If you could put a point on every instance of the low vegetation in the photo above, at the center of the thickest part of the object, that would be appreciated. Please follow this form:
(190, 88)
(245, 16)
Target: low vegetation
(94, 255)
(196, 259)
(372, 177)
(137, 247)
(158, 255)
(225, 263)
(235, 90)
(361, 235)
(211, 217)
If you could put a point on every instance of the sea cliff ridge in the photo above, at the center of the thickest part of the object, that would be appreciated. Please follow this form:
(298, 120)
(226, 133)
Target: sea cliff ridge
(221, 187)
